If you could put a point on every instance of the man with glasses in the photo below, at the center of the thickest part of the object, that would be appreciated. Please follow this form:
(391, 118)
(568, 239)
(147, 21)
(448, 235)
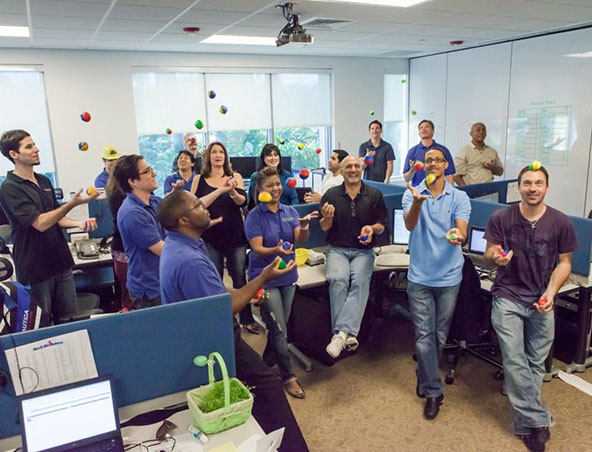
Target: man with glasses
(437, 216)
(352, 213)
(141, 233)
(417, 153)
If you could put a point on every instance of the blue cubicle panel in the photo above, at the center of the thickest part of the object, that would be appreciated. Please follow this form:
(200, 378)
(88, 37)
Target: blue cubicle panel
(99, 209)
(316, 236)
(386, 189)
(149, 352)
(580, 261)
(497, 189)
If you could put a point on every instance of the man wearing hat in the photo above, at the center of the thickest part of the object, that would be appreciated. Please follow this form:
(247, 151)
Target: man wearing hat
(110, 157)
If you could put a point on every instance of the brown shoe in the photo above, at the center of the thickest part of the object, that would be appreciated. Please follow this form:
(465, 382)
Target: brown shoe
(297, 393)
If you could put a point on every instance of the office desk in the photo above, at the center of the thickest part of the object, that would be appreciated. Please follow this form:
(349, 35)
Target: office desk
(136, 434)
(91, 274)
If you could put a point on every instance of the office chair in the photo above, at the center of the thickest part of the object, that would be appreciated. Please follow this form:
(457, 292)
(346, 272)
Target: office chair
(470, 325)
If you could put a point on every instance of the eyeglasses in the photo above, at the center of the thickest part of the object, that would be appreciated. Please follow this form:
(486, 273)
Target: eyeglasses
(146, 171)
(352, 206)
(197, 205)
(429, 161)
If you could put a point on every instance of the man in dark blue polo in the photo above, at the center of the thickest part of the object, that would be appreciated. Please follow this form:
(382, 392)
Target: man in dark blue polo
(41, 255)
(187, 272)
(141, 233)
(381, 168)
(417, 153)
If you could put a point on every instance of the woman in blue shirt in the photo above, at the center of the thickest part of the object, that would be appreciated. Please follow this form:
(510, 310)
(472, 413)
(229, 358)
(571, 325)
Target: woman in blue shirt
(272, 158)
(271, 229)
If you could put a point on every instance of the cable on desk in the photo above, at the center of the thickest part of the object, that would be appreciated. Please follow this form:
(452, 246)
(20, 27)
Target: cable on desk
(20, 369)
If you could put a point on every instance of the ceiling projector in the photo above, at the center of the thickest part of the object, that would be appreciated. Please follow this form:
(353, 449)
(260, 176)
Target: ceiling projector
(292, 31)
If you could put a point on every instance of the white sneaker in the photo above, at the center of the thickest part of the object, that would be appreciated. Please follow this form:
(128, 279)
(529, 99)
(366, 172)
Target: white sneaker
(351, 343)
(336, 345)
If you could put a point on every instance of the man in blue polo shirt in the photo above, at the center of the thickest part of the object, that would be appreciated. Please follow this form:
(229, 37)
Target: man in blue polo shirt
(437, 216)
(381, 168)
(141, 233)
(187, 272)
(417, 153)
(110, 157)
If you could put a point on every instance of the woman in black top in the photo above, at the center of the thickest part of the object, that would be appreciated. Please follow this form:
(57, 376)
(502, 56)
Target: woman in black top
(115, 196)
(225, 240)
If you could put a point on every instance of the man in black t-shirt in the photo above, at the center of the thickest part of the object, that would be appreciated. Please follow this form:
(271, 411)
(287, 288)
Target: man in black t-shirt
(41, 254)
(352, 213)
(531, 244)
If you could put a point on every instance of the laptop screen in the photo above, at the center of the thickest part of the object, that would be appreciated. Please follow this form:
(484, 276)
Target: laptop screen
(477, 244)
(69, 414)
(400, 232)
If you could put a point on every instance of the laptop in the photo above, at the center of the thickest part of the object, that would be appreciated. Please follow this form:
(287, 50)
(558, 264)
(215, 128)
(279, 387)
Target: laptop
(80, 416)
(477, 246)
(400, 232)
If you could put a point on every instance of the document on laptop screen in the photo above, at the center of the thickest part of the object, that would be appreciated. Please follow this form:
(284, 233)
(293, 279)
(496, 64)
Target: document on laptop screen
(51, 362)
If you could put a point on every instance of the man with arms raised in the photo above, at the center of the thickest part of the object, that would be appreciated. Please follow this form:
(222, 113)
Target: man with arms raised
(41, 255)
(187, 272)
(531, 244)
(437, 214)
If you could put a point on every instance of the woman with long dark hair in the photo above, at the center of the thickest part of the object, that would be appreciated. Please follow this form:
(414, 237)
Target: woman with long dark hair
(271, 157)
(115, 197)
(226, 240)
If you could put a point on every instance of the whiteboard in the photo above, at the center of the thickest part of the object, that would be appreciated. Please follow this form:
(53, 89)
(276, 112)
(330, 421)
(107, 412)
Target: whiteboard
(550, 114)
(477, 91)
(427, 95)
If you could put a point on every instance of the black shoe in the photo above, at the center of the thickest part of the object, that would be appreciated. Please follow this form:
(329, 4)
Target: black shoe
(432, 406)
(419, 394)
(537, 439)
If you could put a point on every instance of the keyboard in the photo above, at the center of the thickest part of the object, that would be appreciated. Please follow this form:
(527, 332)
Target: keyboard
(392, 260)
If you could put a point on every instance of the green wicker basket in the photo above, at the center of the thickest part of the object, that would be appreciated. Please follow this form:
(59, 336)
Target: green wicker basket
(230, 415)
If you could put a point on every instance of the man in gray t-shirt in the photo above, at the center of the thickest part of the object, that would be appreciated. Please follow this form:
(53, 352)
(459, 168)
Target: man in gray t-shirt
(531, 244)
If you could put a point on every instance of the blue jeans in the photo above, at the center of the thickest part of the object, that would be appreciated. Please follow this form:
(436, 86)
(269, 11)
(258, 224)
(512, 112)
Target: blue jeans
(525, 337)
(275, 313)
(432, 309)
(236, 261)
(349, 271)
(56, 297)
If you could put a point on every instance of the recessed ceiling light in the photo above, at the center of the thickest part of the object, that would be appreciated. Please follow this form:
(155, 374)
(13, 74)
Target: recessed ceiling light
(15, 32)
(243, 40)
(398, 3)
(580, 55)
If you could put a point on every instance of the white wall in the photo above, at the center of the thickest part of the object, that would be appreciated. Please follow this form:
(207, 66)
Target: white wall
(535, 97)
(101, 83)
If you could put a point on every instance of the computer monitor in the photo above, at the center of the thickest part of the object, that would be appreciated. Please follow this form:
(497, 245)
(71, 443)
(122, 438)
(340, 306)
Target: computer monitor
(246, 166)
(489, 197)
(477, 242)
(400, 232)
(71, 417)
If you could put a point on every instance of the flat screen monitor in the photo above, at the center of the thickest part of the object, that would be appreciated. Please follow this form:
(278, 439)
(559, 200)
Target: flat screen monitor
(400, 232)
(477, 242)
(246, 166)
(490, 197)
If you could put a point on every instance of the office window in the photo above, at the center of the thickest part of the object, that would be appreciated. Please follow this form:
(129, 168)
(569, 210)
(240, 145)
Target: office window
(395, 124)
(257, 108)
(302, 115)
(24, 92)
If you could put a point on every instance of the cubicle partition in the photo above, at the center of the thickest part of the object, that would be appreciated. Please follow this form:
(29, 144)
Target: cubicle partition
(496, 192)
(149, 352)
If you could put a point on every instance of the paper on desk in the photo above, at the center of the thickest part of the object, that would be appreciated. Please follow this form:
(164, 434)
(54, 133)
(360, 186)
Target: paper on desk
(78, 213)
(57, 361)
(267, 443)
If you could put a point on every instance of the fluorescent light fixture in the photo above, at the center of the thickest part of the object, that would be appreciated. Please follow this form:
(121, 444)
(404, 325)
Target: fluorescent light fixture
(580, 55)
(14, 32)
(398, 3)
(240, 40)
